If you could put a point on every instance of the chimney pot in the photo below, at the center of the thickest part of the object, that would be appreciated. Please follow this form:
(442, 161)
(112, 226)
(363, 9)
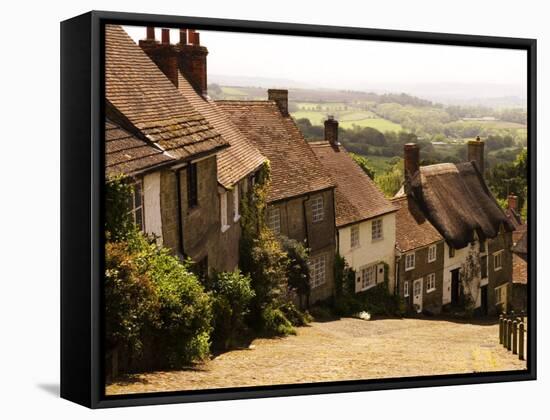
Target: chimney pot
(476, 153)
(513, 202)
(165, 36)
(183, 36)
(150, 33)
(412, 159)
(280, 96)
(191, 36)
(331, 131)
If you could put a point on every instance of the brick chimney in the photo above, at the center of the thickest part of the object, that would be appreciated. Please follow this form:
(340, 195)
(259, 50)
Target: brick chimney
(476, 154)
(163, 54)
(411, 154)
(513, 202)
(192, 60)
(280, 96)
(331, 131)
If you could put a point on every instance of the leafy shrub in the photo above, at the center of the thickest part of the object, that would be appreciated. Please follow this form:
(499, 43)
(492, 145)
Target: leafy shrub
(232, 293)
(275, 323)
(118, 222)
(296, 317)
(154, 298)
(185, 309)
(131, 301)
(297, 270)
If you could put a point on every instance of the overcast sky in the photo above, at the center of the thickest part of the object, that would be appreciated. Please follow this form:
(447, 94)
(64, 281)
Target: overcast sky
(351, 64)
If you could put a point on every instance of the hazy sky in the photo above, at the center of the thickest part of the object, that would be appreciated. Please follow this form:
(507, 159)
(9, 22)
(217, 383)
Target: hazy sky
(351, 64)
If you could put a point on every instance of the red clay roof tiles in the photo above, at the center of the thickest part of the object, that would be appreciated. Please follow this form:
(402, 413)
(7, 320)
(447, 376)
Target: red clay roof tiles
(412, 229)
(295, 170)
(151, 103)
(357, 197)
(236, 161)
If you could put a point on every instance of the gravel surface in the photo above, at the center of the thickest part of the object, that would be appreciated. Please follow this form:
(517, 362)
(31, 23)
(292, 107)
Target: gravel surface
(344, 349)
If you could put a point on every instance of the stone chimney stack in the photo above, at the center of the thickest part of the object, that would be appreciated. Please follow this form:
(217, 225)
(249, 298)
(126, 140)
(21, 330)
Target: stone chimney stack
(163, 54)
(411, 154)
(192, 60)
(476, 154)
(280, 96)
(513, 202)
(331, 131)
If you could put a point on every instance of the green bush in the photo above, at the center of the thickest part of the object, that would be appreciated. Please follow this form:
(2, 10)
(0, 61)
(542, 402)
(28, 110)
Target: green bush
(118, 221)
(185, 309)
(232, 293)
(297, 270)
(155, 297)
(296, 317)
(275, 323)
(131, 301)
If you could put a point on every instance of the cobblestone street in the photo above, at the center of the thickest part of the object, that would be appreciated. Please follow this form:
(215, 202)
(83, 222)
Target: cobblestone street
(339, 350)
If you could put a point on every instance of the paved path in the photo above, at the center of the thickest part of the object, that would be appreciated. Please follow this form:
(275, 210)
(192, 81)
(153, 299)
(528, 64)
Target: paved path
(343, 349)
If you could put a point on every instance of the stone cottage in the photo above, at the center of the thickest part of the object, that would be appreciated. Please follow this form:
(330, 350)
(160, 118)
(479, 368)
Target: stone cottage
(301, 195)
(155, 137)
(419, 258)
(478, 236)
(365, 219)
(185, 66)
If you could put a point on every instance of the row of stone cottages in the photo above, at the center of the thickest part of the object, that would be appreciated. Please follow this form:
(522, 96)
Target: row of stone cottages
(192, 160)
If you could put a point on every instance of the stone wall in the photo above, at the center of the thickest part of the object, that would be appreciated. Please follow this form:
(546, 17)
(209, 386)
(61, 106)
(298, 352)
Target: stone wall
(320, 237)
(503, 241)
(431, 301)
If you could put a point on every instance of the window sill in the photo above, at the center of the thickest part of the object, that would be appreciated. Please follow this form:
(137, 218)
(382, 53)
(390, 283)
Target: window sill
(431, 261)
(497, 269)
(237, 218)
(409, 269)
(377, 240)
(364, 289)
(430, 290)
(225, 228)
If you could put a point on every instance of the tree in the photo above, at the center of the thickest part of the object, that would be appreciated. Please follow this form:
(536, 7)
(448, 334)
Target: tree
(364, 164)
(297, 269)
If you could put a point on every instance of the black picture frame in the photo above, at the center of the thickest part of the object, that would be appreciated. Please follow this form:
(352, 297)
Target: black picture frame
(82, 183)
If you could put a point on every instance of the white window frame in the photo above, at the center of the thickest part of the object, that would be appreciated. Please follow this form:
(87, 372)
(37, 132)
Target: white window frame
(223, 211)
(497, 260)
(355, 238)
(411, 256)
(430, 282)
(236, 199)
(317, 209)
(138, 209)
(432, 253)
(274, 219)
(406, 289)
(367, 277)
(317, 270)
(377, 232)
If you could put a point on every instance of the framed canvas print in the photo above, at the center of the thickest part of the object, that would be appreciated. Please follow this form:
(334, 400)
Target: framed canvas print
(255, 209)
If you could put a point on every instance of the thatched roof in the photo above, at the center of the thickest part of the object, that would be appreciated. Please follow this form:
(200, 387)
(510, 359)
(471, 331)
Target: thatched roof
(457, 201)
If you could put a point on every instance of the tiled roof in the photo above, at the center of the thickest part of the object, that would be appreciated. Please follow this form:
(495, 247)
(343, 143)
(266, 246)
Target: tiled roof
(150, 102)
(357, 197)
(236, 161)
(519, 269)
(295, 169)
(521, 246)
(458, 203)
(412, 229)
(127, 154)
